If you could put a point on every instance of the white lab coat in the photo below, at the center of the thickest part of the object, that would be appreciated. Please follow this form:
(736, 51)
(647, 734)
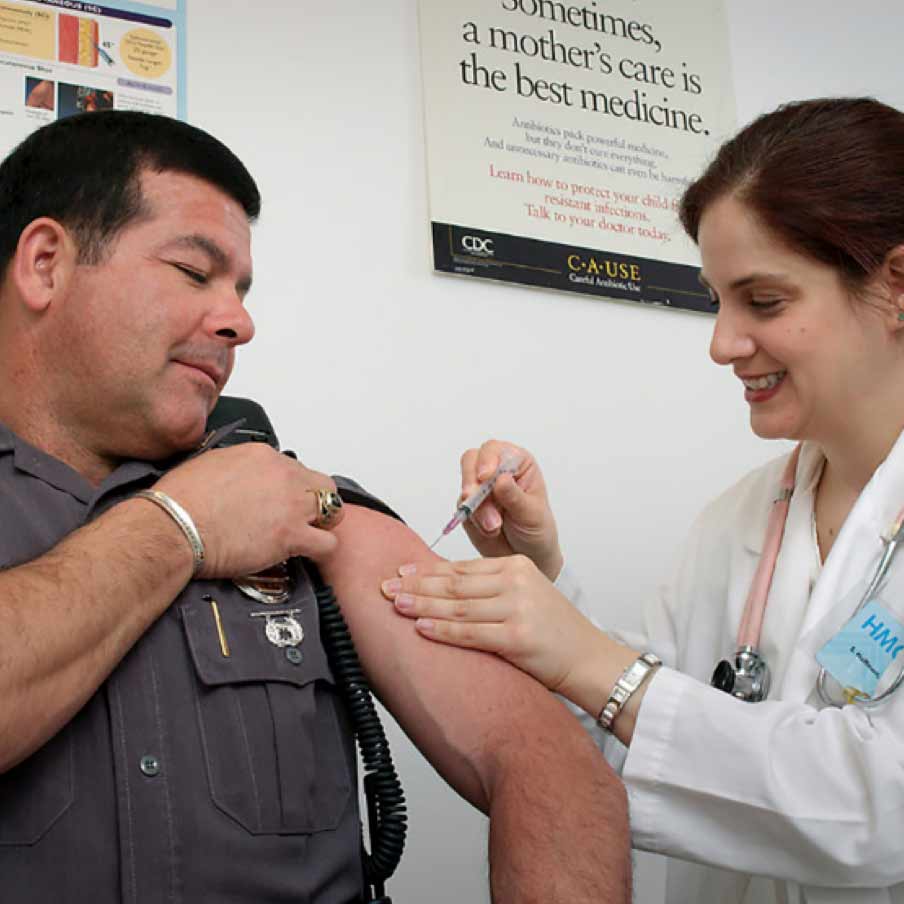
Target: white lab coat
(812, 797)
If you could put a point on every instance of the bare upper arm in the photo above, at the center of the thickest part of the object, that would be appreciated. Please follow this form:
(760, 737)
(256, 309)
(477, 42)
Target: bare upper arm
(461, 707)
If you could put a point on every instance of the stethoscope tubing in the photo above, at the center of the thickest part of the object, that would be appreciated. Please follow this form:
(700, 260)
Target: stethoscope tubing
(878, 576)
(751, 624)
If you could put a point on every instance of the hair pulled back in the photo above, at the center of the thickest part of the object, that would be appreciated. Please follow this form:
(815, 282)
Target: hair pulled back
(826, 176)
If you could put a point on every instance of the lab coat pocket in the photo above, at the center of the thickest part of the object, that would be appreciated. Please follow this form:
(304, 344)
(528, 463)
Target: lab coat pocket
(278, 752)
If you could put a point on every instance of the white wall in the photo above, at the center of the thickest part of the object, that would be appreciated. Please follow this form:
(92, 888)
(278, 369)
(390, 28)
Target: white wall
(362, 352)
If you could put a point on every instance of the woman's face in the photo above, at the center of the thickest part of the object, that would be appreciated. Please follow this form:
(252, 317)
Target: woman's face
(810, 357)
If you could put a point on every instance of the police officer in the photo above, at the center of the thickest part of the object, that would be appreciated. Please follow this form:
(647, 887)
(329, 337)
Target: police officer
(164, 736)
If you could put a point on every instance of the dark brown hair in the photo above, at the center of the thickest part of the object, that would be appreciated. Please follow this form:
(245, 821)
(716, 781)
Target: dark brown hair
(84, 171)
(826, 176)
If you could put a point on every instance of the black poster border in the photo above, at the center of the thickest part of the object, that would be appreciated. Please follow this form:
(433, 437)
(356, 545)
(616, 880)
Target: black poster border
(481, 253)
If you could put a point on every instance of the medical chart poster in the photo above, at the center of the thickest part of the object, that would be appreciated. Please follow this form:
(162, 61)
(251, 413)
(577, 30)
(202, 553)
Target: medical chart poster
(560, 136)
(60, 57)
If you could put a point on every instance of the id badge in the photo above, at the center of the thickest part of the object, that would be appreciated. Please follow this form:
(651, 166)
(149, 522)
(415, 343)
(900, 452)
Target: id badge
(860, 653)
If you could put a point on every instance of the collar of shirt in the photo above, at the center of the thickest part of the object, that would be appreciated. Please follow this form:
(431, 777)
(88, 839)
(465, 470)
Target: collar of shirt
(44, 467)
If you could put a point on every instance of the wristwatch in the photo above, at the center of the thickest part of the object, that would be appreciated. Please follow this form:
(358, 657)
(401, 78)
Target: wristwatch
(631, 679)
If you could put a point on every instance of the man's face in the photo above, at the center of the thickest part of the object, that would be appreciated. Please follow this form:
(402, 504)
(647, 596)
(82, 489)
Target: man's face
(146, 338)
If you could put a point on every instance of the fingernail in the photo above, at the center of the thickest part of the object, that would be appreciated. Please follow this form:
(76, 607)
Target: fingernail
(408, 569)
(425, 624)
(404, 601)
(393, 585)
(490, 520)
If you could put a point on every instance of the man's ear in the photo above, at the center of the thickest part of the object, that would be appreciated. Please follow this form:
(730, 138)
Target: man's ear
(43, 264)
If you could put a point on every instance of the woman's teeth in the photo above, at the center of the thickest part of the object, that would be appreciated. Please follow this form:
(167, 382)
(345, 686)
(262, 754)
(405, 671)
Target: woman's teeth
(766, 382)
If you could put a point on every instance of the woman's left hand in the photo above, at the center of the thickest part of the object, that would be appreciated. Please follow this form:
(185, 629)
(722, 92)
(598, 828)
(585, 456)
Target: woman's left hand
(504, 606)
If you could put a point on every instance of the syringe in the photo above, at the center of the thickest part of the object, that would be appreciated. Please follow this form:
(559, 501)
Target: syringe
(508, 464)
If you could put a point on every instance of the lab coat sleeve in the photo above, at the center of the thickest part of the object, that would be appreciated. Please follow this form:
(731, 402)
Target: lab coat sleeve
(776, 788)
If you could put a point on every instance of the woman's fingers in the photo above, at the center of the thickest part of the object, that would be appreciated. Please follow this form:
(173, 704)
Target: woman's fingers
(488, 637)
(463, 567)
(504, 606)
(478, 465)
(461, 610)
(452, 585)
(490, 454)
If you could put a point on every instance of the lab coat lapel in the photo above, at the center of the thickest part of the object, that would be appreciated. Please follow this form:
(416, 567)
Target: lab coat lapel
(795, 571)
(850, 562)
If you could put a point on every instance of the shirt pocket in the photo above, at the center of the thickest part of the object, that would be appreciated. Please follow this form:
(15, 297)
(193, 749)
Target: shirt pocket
(37, 792)
(278, 752)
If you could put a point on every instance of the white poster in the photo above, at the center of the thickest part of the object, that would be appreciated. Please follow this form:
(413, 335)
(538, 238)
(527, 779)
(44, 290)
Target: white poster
(560, 137)
(60, 57)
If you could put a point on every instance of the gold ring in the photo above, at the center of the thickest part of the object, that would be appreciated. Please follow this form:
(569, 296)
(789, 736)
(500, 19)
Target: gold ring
(329, 504)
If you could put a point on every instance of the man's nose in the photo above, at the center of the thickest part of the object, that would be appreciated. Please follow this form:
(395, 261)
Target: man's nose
(230, 320)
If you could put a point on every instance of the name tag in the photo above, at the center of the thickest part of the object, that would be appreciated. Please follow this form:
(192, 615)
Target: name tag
(858, 655)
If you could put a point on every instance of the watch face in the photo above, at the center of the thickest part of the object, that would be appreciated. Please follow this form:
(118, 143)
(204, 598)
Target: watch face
(635, 674)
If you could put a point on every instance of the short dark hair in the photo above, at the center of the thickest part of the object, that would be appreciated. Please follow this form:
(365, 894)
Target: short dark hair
(84, 172)
(826, 176)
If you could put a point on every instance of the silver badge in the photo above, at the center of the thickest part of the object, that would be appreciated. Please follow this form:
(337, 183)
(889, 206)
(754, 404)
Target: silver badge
(272, 586)
(282, 628)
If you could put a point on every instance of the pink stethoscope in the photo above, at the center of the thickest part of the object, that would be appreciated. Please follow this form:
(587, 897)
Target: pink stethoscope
(747, 677)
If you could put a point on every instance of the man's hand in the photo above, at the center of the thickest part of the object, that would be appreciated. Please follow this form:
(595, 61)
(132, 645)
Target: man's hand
(113, 577)
(253, 508)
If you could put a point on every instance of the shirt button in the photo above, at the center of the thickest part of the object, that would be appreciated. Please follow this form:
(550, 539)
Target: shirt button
(150, 766)
(296, 657)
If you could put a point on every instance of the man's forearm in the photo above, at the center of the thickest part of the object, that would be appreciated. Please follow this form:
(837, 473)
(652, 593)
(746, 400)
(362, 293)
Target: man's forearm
(558, 820)
(68, 617)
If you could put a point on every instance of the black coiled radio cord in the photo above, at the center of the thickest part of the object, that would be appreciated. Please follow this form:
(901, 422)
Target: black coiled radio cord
(386, 813)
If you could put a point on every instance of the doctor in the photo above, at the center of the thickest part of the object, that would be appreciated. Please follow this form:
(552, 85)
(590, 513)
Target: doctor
(800, 797)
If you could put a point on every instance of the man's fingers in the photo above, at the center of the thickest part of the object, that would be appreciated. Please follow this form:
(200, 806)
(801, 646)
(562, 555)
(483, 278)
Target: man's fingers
(325, 506)
(314, 543)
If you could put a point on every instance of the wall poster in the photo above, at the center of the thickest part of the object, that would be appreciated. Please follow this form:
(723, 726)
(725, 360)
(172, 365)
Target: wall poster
(59, 57)
(560, 136)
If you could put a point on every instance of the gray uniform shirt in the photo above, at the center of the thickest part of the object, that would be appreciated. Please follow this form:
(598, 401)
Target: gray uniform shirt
(189, 776)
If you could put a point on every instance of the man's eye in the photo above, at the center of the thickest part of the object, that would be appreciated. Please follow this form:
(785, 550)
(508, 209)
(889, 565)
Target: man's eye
(765, 304)
(194, 275)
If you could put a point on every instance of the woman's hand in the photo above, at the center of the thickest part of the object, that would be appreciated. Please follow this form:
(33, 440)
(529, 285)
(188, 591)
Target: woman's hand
(516, 517)
(506, 606)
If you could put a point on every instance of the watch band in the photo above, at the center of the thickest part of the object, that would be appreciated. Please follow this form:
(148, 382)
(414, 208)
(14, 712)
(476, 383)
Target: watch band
(631, 679)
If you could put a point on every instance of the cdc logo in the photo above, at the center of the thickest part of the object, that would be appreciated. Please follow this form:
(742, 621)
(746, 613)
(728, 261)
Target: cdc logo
(478, 246)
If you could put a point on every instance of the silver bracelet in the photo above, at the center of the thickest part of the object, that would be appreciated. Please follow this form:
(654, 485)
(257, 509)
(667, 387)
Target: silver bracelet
(629, 682)
(183, 519)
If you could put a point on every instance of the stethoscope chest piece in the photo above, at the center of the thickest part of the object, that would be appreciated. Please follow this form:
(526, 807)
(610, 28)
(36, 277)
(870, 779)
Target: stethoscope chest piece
(747, 678)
